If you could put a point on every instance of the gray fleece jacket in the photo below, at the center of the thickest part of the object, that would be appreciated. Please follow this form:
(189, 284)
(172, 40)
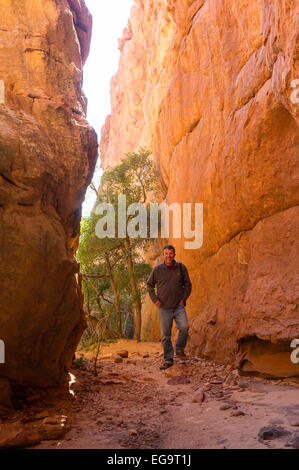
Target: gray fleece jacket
(172, 286)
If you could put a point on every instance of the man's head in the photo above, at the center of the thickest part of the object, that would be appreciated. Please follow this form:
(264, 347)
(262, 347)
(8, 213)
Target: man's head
(168, 254)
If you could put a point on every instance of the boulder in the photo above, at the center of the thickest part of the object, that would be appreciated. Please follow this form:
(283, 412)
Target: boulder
(18, 435)
(123, 353)
(54, 427)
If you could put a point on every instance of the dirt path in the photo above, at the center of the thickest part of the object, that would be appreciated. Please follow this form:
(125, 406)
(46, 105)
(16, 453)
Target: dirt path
(132, 404)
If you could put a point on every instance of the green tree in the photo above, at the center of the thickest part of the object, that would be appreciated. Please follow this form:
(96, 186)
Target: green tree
(135, 177)
(104, 260)
(98, 258)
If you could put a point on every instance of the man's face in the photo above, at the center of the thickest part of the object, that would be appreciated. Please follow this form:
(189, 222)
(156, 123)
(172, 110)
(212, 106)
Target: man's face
(168, 256)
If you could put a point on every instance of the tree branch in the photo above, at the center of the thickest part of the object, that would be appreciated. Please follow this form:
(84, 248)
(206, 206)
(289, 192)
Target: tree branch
(107, 300)
(92, 186)
(94, 276)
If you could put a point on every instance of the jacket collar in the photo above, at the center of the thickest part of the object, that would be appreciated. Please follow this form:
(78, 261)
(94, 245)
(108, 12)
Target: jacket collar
(174, 264)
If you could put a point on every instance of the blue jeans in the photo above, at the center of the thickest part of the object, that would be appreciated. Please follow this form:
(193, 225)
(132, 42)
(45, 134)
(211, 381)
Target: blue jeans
(166, 317)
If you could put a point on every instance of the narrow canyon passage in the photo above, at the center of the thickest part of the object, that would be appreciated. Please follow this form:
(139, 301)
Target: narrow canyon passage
(193, 405)
(210, 90)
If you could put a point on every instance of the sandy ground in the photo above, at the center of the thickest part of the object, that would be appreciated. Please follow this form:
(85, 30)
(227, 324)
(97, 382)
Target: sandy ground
(133, 404)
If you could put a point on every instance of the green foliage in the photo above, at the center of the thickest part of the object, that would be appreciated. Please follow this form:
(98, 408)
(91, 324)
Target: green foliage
(91, 248)
(134, 177)
(79, 362)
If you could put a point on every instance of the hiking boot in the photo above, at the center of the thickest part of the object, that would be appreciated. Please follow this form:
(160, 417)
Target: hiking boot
(166, 365)
(180, 353)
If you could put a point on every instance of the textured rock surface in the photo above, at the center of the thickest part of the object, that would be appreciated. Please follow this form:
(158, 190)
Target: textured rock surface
(54, 428)
(6, 405)
(47, 156)
(206, 85)
(18, 435)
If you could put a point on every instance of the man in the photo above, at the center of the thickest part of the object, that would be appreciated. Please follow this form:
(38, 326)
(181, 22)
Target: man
(173, 289)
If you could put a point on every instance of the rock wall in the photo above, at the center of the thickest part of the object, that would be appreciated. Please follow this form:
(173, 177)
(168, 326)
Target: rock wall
(47, 157)
(207, 87)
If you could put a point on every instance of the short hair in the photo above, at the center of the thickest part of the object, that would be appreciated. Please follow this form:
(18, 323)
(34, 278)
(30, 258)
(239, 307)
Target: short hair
(169, 247)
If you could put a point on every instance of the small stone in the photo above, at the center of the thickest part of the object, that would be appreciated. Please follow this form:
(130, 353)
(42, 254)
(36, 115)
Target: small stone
(132, 433)
(116, 422)
(243, 384)
(216, 381)
(232, 378)
(148, 379)
(145, 355)
(199, 396)
(237, 413)
(112, 382)
(180, 380)
(225, 407)
(295, 442)
(117, 359)
(267, 433)
(295, 423)
(172, 372)
(123, 353)
(222, 441)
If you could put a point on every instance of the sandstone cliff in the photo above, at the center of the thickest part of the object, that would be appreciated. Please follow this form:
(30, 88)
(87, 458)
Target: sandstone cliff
(206, 85)
(47, 157)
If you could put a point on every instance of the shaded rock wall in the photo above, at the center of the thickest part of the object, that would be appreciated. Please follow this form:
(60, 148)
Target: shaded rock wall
(206, 85)
(47, 157)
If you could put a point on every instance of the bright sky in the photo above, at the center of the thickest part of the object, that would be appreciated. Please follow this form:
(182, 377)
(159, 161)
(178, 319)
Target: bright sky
(109, 19)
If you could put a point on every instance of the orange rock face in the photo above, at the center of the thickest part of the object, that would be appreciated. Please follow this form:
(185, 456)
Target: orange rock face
(47, 157)
(208, 87)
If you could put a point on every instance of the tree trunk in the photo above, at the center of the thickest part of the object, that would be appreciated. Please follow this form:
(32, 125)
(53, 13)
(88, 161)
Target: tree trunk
(115, 294)
(88, 299)
(98, 299)
(134, 290)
